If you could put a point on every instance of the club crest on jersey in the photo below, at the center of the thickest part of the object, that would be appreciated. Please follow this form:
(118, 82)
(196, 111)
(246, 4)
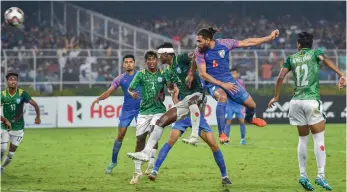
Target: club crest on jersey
(160, 79)
(18, 100)
(221, 53)
(178, 70)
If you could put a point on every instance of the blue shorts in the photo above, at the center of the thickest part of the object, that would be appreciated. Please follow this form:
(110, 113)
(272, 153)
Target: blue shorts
(236, 109)
(183, 124)
(126, 116)
(239, 97)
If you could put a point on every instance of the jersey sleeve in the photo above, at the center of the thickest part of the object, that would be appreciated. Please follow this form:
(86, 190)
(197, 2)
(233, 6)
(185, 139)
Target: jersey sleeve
(229, 43)
(183, 58)
(317, 53)
(136, 81)
(116, 82)
(199, 57)
(286, 64)
(26, 97)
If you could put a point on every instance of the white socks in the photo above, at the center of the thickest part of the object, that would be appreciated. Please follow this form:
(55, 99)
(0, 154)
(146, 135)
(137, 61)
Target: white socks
(302, 154)
(319, 151)
(195, 118)
(138, 166)
(8, 158)
(153, 139)
(152, 158)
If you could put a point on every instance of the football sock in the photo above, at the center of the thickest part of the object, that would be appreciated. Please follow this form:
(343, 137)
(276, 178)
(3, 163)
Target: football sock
(220, 113)
(218, 157)
(195, 118)
(116, 147)
(319, 151)
(302, 154)
(243, 130)
(249, 114)
(161, 156)
(227, 129)
(153, 139)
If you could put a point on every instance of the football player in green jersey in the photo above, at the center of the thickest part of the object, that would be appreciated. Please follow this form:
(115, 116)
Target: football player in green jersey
(12, 101)
(305, 109)
(190, 95)
(152, 82)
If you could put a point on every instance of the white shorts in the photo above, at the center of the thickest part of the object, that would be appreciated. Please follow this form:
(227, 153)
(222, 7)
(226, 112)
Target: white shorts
(144, 123)
(183, 106)
(15, 137)
(305, 112)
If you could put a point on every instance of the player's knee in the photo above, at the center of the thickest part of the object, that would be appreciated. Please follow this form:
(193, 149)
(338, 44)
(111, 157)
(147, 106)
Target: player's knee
(161, 121)
(214, 147)
(120, 136)
(172, 141)
(221, 96)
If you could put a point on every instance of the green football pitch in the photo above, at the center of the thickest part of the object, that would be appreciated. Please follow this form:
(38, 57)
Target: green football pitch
(72, 159)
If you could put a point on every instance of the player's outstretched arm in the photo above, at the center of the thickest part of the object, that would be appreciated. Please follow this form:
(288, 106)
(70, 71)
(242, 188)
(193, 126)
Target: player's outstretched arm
(104, 95)
(37, 110)
(281, 76)
(328, 62)
(249, 42)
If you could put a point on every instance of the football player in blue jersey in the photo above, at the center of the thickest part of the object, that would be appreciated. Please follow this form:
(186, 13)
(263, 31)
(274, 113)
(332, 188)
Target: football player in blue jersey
(212, 59)
(130, 108)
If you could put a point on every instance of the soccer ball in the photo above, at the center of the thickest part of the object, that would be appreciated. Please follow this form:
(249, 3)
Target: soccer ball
(14, 16)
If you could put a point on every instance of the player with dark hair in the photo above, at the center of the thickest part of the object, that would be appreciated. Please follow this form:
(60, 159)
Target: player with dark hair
(12, 101)
(305, 108)
(213, 64)
(130, 108)
(152, 82)
(236, 109)
(189, 102)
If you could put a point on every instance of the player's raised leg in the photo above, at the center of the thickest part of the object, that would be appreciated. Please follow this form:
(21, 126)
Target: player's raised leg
(196, 106)
(221, 109)
(165, 120)
(318, 131)
(195, 115)
(207, 136)
(153, 152)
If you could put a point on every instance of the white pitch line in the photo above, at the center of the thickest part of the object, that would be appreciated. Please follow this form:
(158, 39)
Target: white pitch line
(22, 190)
(271, 148)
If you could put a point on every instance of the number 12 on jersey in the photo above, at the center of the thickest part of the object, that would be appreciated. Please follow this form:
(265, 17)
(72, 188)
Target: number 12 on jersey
(302, 68)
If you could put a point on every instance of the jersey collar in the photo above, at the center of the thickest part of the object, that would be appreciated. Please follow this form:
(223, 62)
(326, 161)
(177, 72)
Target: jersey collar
(10, 93)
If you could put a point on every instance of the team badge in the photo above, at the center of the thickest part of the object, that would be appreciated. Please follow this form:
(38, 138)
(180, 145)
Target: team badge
(178, 70)
(160, 79)
(18, 100)
(221, 53)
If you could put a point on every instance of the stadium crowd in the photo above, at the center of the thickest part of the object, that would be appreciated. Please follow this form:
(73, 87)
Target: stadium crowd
(97, 66)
